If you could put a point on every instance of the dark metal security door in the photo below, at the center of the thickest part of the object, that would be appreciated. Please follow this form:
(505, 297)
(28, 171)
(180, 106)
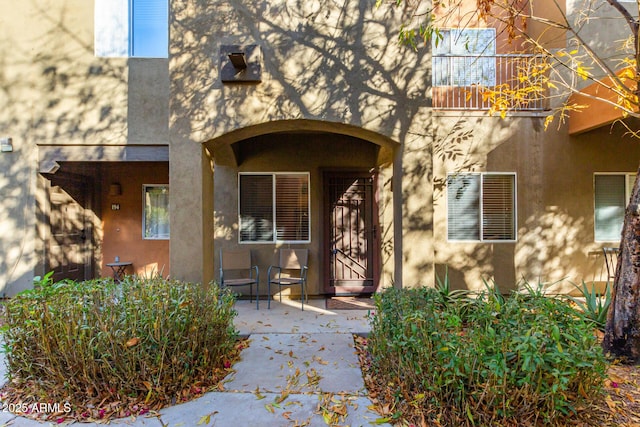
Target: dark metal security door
(351, 234)
(68, 251)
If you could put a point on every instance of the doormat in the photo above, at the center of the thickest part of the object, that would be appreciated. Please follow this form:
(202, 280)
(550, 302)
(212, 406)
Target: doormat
(349, 303)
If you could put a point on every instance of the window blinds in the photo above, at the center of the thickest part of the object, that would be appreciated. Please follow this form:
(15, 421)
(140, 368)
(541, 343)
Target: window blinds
(610, 201)
(498, 206)
(481, 207)
(274, 207)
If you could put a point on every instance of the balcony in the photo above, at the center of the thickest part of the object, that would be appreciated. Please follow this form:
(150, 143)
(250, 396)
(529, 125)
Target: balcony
(464, 82)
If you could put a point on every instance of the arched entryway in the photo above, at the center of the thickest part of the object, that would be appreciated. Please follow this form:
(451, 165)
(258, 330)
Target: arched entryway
(347, 174)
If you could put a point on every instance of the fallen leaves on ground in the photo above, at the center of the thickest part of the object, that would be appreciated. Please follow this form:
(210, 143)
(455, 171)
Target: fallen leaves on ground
(334, 408)
(619, 406)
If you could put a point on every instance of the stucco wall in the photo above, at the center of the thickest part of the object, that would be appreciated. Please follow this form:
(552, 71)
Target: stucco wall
(60, 102)
(605, 30)
(337, 62)
(571, 163)
(47, 75)
(333, 63)
(17, 219)
(555, 208)
(478, 143)
(327, 67)
(122, 228)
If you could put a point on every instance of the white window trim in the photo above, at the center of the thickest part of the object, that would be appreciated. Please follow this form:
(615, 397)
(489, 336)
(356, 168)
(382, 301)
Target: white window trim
(144, 207)
(515, 208)
(273, 198)
(478, 60)
(627, 191)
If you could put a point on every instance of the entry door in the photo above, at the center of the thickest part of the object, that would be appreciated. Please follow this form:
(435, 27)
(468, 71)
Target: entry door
(351, 233)
(68, 244)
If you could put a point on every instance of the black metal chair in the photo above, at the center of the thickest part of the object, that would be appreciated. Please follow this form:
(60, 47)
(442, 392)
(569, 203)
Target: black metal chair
(611, 261)
(293, 263)
(241, 272)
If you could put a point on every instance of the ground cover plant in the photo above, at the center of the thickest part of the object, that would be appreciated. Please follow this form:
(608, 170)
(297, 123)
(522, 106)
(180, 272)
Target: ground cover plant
(108, 349)
(438, 358)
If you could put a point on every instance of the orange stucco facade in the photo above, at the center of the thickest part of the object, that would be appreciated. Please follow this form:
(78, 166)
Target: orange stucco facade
(122, 220)
(598, 103)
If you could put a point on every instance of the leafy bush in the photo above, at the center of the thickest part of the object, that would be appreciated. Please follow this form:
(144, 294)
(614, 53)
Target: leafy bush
(141, 340)
(490, 360)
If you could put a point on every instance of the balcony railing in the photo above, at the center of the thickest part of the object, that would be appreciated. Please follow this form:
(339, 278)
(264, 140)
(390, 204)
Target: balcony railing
(475, 82)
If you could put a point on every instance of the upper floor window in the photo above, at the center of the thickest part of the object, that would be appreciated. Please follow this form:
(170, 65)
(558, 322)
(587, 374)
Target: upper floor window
(274, 207)
(464, 57)
(481, 206)
(611, 194)
(155, 218)
(131, 28)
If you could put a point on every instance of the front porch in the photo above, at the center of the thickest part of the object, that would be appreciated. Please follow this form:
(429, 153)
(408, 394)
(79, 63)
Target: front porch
(287, 317)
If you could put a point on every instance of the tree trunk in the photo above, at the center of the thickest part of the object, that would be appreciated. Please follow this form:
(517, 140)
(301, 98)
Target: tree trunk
(622, 332)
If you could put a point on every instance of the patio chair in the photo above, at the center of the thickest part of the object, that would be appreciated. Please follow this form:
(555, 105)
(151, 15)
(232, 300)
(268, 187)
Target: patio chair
(237, 270)
(293, 263)
(611, 261)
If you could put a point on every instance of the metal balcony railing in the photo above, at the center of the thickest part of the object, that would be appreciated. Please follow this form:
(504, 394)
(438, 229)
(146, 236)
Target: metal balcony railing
(464, 82)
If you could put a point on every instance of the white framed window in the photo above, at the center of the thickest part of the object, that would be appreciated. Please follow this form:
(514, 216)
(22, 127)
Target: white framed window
(274, 207)
(155, 212)
(481, 207)
(131, 28)
(464, 57)
(612, 192)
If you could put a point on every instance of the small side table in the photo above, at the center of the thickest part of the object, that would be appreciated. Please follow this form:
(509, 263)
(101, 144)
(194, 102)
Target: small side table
(119, 269)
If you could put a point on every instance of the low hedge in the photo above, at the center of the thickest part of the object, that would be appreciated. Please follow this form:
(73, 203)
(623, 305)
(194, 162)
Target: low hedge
(483, 360)
(141, 341)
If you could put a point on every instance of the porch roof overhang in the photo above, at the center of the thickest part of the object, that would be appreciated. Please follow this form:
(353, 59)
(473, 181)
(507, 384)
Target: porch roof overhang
(50, 155)
(600, 101)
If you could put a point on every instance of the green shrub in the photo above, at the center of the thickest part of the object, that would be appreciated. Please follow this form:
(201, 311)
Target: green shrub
(489, 360)
(99, 341)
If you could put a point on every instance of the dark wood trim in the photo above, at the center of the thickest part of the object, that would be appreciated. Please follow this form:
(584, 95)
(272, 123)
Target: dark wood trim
(50, 155)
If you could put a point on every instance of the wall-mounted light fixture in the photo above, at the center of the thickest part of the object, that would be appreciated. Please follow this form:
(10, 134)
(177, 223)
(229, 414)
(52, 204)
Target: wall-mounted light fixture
(115, 189)
(240, 63)
(6, 145)
(49, 166)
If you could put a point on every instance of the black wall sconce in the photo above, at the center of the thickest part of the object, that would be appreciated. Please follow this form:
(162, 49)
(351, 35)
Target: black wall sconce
(238, 61)
(115, 189)
(240, 64)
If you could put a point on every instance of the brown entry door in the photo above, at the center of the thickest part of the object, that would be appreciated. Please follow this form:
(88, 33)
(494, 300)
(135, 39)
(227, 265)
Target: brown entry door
(68, 242)
(351, 235)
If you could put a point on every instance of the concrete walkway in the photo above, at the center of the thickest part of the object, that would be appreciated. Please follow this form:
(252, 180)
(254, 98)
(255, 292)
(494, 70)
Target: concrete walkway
(300, 369)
